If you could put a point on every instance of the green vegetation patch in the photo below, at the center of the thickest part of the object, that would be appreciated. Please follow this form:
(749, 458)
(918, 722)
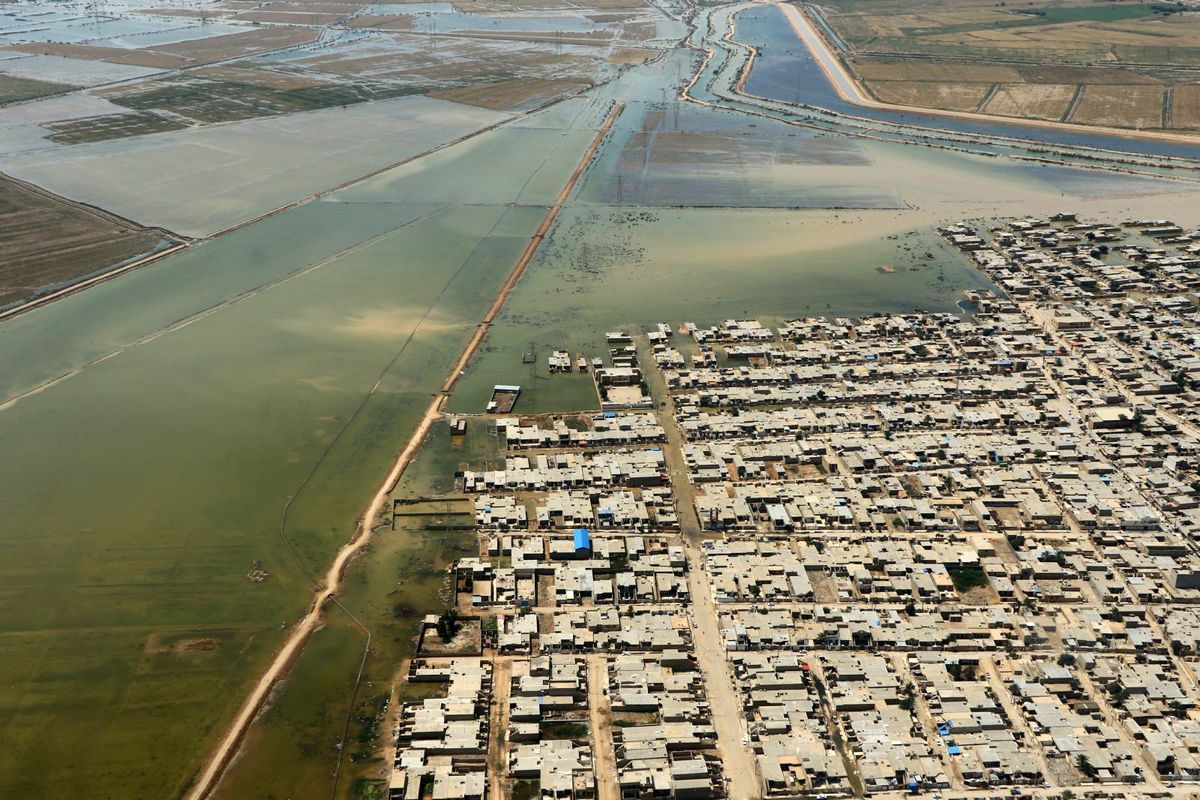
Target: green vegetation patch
(224, 101)
(14, 90)
(112, 126)
(564, 730)
(968, 578)
(526, 790)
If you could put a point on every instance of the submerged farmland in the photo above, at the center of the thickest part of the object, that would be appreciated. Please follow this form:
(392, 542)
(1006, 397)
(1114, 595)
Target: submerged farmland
(186, 446)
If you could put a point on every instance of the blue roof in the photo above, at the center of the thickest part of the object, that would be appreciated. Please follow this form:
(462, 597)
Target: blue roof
(583, 540)
(954, 750)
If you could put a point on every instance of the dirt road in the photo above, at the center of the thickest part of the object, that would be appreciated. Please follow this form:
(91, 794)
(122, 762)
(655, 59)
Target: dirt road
(214, 767)
(497, 758)
(600, 711)
(739, 765)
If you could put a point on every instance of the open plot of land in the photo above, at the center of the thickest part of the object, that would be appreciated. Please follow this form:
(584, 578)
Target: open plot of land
(1185, 106)
(180, 54)
(1079, 31)
(225, 101)
(1121, 106)
(1032, 100)
(953, 96)
(46, 241)
(115, 55)
(896, 69)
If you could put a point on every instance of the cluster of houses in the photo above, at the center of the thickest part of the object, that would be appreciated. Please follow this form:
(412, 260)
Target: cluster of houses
(442, 742)
(664, 742)
(945, 551)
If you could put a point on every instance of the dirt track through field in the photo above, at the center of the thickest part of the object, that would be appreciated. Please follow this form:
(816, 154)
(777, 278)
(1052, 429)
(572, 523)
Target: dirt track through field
(226, 748)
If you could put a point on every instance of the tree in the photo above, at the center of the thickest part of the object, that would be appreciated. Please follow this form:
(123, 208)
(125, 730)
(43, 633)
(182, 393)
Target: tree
(1085, 766)
(910, 693)
(448, 624)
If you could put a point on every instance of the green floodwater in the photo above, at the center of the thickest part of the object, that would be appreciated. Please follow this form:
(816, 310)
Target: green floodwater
(140, 490)
(388, 589)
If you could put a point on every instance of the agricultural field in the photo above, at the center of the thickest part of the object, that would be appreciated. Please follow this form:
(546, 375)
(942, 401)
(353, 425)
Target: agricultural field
(13, 89)
(1049, 101)
(1125, 106)
(47, 242)
(1032, 61)
(1185, 107)
(115, 126)
(237, 61)
(952, 96)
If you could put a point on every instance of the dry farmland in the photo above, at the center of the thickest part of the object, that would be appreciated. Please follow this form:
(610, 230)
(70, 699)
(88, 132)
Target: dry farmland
(1077, 60)
(1185, 107)
(1120, 106)
(45, 241)
(952, 96)
(1048, 101)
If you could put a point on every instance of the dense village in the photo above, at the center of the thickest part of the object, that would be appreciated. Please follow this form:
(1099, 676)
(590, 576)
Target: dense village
(947, 555)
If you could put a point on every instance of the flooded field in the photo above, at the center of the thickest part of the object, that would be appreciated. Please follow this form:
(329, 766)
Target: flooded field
(291, 358)
(39, 227)
(40, 23)
(174, 435)
(198, 181)
(606, 268)
(397, 581)
(680, 155)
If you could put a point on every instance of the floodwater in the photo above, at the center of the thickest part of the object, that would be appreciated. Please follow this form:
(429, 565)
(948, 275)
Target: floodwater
(606, 268)
(201, 180)
(689, 156)
(36, 23)
(75, 71)
(154, 427)
(443, 22)
(196, 397)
